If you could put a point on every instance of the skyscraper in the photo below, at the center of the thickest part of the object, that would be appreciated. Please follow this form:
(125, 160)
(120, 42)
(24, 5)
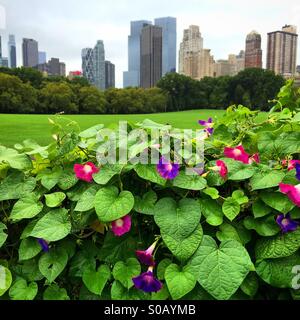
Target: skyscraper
(42, 57)
(169, 42)
(3, 61)
(30, 53)
(53, 68)
(87, 56)
(131, 78)
(12, 52)
(282, 51)
(151, 56)
(109, 75)
(253, 53)
(99, 65)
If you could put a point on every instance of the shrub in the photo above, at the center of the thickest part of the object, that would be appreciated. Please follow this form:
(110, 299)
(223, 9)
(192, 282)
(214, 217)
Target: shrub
(73, 227)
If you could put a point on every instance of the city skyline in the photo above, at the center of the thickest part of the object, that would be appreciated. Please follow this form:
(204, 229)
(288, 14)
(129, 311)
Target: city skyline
(111, 23)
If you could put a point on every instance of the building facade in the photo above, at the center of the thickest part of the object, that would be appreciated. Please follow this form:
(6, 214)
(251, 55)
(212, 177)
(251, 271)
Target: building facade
(253, 53)
(30, 53)
(12, 51)
(151, 56)
(53, 68)
(109, 75)
(99, 65)
(169, 43)
(87, 56)
(282, 51)
(42, 57)
(131, 78)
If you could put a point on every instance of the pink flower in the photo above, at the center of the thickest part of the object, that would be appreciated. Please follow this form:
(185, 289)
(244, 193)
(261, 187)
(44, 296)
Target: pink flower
(291, 164)
(293, 192)
(121, 226)
(237, 153)
(85, 171)
(221, 168)
(254, 158)
(146, 257)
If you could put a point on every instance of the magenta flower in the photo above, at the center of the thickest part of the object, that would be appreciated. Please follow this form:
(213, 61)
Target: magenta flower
(221, 168)
(237, 153)
(44, 244)
(293, 192)
(290, 164)
(121, 226)
(208, 125)
(146, 256)
(85, 171)
(166, 169)
(298, 171)
(147, 282)
(254, 158)
(286, 223)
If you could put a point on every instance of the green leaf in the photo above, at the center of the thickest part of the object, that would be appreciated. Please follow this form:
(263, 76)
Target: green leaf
(266, 179)
(162, 294)
(50, 178)
(91, 132)
(260, 210)
(250, 285)
(118, 292)
(16, 186)
(125, 271)
(161, 268)
(212, 212)
(95, 281)
(111, 206)
(86, 200)
(265, 226)
(212, 192)
(67, 180)
(277, 201)
(29, 248)
(179, 282)
(107, 172)
(52, 263)
(178, 220)
(21, 291)
(54, 199)
(146, 204)
(233, 232)
(14, 159)
(54, 292)
(53, 226)
(279, 246)
(148, 172)
(3, 235)
(220, 271)
(26, 208)
(238, 171)
(189, 182)
(239, 197)
(183, 249)
(231, 208)
(278, 272)
(5, 280)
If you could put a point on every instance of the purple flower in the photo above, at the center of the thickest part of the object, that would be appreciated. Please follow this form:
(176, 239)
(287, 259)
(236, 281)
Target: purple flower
(146, 256)
(166, 169)
(208, 126)
(44, 245)
(147, 282)
(286, 223)
(298, 171)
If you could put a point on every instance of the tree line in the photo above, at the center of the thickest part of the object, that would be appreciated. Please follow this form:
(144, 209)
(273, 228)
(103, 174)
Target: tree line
(26, 90)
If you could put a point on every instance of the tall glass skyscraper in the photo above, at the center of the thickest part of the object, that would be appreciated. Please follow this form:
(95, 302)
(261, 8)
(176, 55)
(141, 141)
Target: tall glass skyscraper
(87, 56)
(30, 53)
(131, 78)
(99, 65)
(12, 51)
(169, 43)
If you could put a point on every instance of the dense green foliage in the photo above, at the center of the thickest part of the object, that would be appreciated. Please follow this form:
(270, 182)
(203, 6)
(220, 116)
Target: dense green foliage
(36, 94)
(217, 236)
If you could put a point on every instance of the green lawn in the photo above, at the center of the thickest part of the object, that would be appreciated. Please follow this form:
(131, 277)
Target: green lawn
(15, 128)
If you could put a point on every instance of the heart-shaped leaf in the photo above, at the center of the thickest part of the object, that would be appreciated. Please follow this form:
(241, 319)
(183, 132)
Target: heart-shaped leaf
(21, 291)
(179, 282)
(107, 172)
(231, 208)
(212, 212)
(26, 208)
(86, 200)
(54, 199)
(5, 280)
(189, 182)
(54, 292)
(95, 281)
(29, 248)
(125, 271)
(220, 271)
(111, 206)
(146, 204)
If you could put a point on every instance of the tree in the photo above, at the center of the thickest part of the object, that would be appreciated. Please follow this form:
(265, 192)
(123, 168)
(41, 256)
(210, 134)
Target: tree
(91, 100)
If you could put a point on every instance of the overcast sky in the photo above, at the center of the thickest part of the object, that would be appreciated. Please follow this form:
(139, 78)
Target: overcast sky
(64, 27)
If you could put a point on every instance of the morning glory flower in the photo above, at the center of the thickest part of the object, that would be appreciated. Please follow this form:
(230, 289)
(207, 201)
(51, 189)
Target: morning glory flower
(298, 171)
(167, 170)
(208, 125)
(147, 282)
(291, 164)
(85, 171)
(44, 244)
(254, 158)
(121, 226)
(146, 257)
(293, 192)
(286, 223)
(221, 168)
(237, 153)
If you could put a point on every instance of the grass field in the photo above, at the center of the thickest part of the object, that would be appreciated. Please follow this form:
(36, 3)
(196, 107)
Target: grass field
(15, 128)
